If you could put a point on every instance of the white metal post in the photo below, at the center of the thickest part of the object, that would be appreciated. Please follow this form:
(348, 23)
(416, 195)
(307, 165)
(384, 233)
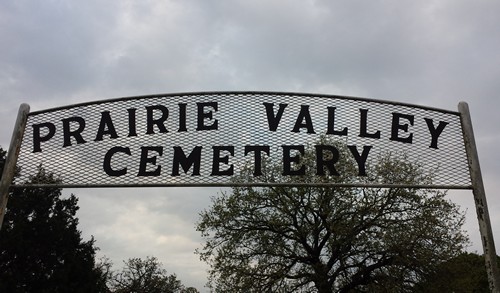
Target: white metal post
(483, 215)
(11, 160)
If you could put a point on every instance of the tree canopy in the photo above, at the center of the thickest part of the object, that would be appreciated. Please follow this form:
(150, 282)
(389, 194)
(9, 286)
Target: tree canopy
(41, 248)
(147, 276)
(463, 273)
(324, 239)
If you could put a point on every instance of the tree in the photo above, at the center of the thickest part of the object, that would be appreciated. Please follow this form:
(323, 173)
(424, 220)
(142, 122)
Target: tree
(464, 273)
(322, 239)
(3, 157)
(146, 276)
(41, 248)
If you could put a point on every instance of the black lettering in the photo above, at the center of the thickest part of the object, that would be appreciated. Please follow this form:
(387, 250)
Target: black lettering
(106, 127)
(288, 160)
(396, 127)
(159, 122)
(435, 132)
(360, 158)
(132, 131)
(363, 132)
(77, 133)
(38, 139)
(145, 160)
(300, 123)
(272, 120)
(324, 160)
(217, 159)
(180, 159)
(107, 161)
(182, 117)
(331, 123)
(258, 150)
(202, 115)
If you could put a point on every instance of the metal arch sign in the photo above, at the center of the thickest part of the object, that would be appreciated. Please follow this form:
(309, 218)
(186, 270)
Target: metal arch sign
(204, 139)
(200, 139)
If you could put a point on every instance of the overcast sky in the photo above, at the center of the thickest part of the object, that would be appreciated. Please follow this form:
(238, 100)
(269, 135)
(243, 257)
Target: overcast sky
(432, 53)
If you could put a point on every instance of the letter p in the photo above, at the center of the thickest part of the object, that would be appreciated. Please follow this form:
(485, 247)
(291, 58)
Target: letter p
(37, 136)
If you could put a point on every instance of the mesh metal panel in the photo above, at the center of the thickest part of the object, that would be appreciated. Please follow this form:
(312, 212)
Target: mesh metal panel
(241, 120)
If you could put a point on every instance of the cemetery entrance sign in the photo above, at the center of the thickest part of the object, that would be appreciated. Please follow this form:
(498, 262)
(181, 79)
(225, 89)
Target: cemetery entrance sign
(206, 139)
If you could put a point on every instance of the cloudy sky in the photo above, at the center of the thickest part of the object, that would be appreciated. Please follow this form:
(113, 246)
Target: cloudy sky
(433, 53)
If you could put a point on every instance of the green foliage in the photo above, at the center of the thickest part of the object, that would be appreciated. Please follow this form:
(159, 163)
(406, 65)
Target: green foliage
(322, 239)
(461, 274)
(2, 160)
(146, 276)
(41, 248)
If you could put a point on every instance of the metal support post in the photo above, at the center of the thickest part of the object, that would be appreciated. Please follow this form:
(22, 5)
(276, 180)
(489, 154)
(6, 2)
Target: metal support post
(11, 160)
(483, 216)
